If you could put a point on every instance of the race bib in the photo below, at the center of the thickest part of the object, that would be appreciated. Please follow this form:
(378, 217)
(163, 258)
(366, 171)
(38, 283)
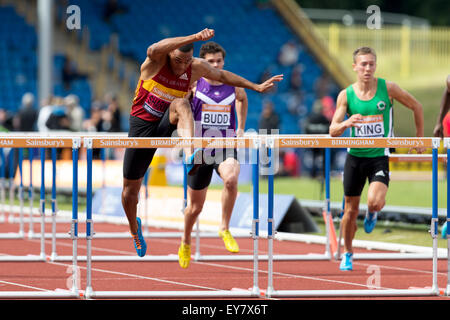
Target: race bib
(372, 126)
(216, 115)
(158, 101)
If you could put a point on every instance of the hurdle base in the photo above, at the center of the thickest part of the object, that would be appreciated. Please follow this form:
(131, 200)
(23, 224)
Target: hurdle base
(88, 293)
(354, 293)
(30, 258)
(278, 257)
(39, 295)
(396, 256)
(174, 294)
(255, 291)
(118, 258)
(118, 235)
(174, 257)
(269, 291)
(12, 235)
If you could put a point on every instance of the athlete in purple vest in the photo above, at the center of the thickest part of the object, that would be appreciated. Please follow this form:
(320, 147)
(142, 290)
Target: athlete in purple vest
(214, 105)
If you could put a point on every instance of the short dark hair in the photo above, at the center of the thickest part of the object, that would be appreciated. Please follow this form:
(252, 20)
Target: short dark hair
(363, 51)
(186, 48)
(211, 47)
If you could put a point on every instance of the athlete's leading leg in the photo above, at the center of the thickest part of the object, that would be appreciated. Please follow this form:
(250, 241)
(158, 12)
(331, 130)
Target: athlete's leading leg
(229, 172)
(349, 227)
(191, 213)
(376, 196)
(135, 163)
(181, 116)
(376, 199)
(130, 196)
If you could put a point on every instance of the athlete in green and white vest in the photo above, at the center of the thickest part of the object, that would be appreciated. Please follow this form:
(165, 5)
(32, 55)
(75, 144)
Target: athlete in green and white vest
(368, 104)
(377, 118)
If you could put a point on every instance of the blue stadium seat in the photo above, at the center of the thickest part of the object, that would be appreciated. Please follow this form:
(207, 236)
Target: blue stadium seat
(251, 36)
(18, 62)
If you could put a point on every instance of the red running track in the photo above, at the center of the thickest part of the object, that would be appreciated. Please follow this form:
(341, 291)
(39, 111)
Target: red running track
(201, 275)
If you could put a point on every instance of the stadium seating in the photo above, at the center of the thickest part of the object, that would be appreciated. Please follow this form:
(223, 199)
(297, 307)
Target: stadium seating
(19, 61)
(252, 37)
(17, 65)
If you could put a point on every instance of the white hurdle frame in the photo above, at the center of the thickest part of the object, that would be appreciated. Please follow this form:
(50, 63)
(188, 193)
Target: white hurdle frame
(42, 256)
(43, 144)
(11, 235)
(447, 290)
(103, 235)
(91, 143)
(326, 142)
(197, 256)
(254, 143)
(266, 257)
(395, 255)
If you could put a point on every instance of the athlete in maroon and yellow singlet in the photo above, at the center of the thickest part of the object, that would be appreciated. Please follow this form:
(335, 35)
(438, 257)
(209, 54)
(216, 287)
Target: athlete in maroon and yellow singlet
(159, 107)
(154, 96)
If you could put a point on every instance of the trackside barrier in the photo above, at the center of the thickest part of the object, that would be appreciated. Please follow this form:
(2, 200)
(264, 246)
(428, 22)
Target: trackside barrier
(447, 291)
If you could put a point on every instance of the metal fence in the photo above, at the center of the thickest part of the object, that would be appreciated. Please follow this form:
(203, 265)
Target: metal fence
(417, 54)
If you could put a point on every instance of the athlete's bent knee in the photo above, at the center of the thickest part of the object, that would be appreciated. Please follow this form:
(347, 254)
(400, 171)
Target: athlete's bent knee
(375, 206)
(195, 209)
(230, 182)
(129, 196)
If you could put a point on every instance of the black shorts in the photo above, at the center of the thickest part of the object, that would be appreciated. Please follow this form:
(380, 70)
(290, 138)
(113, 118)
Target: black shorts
(136, 161)
(358, 169)
(202, 178)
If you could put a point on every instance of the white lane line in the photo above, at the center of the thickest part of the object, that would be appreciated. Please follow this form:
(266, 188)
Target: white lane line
(242, 269)
(288, 275)
(22, 285)
(142, 277)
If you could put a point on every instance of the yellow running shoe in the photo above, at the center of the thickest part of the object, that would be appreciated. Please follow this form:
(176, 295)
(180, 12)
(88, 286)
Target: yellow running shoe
(184, 255)
(229, 241)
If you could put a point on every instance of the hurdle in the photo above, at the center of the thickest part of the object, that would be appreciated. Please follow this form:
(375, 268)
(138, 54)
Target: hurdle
(20, 233)
(11, 219)
(111, 235)
(341, 142)
(18, 142)
(91, 143)
(106, 235)
(53, 221)
(403, 255)
(43, 144)
(263, 257)
(53, 218)
(447, 290)
(197, 255)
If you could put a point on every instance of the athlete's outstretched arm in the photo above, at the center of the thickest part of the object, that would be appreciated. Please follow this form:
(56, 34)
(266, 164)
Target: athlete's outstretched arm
(161, 48)
(445, 106)
(201, 68)
(241, 110)
(338, 125)
(407, 99)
